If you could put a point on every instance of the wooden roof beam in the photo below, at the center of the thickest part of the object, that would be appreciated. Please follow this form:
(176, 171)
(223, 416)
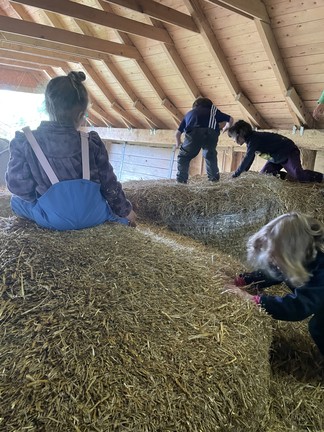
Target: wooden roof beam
(92, 74)
(139, 106)
(53, 48)
(158, 11)
(65, 37)
(178, 64)
(144, 69)
(250, 9)
(20, 64)
(40, 53)
(126, 118)
(30, 58)
(97, 16)
(296, 106)
(101, 113)
(214, 48)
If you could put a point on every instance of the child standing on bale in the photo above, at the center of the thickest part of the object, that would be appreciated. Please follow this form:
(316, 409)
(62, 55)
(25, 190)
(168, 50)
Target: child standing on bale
(281, 152)
(288, 249)
(201, 128)
(61, 178)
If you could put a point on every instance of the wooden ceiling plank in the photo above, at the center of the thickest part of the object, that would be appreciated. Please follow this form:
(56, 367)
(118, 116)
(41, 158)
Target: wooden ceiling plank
(251, 111)
(252, 8)
(153, 120)
(114, 105)
(122, 82)
(219, 57)
(158, 11)
(97, 16)
(142, 66)
(179, 65)
(296, 107)
(113, 69)
(97, 120)
(40, 32)
(99, 111)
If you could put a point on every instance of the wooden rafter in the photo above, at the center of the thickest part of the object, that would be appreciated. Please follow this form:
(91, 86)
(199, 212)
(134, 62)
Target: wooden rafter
(42, 54)
(138, 105)
(250, 9)
(39, 32)
(296, 106)
(246, 106)
(97, 16)
(158, 11)
(178, 64)
(146, 71)
(30, 58)
(65, 67)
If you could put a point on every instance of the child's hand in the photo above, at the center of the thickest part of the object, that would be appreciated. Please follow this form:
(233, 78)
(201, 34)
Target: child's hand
(232, 289)
(132, 218)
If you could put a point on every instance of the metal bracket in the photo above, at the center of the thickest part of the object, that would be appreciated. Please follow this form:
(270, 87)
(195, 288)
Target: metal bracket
(301, 131)
(294, 129)
(152, 131)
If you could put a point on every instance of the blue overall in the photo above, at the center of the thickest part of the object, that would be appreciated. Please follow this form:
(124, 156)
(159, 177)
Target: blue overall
(69, 204)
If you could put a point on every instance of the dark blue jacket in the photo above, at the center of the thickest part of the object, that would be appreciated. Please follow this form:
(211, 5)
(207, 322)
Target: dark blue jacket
(304, 301)
(203, 117)
(271, 146)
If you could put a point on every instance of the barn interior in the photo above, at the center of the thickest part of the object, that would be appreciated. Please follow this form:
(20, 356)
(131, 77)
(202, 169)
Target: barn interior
(119, 329)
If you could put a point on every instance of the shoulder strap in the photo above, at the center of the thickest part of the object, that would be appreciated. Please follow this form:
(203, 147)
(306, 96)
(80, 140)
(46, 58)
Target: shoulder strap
(40, 155)
(85, 156)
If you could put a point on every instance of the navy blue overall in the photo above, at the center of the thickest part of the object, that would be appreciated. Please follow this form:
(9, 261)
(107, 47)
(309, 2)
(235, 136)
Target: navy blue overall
(69, 204)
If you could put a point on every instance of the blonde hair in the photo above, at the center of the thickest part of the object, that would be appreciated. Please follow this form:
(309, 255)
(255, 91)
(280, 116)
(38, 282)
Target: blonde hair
(287, 245)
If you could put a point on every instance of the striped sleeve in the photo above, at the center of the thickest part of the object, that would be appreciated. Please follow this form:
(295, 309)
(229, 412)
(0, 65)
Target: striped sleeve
(212, 118)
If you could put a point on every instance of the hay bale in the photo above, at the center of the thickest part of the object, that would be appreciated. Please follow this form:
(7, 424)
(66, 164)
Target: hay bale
(109, 329)
(297, 369)
(222, 214)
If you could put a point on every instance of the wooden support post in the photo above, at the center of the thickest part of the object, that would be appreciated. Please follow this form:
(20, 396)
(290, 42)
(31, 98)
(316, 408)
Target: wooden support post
(308, 158)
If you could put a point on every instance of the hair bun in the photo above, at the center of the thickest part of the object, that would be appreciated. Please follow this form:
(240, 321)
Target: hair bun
(77, 77)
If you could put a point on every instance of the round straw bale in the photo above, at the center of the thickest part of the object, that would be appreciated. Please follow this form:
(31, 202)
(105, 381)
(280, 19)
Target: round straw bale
(109, 329)
(225, 213)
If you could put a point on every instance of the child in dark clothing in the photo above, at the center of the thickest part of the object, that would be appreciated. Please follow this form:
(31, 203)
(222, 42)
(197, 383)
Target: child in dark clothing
(288, 249)
(201, 129)
(281, 152)
(61, 178)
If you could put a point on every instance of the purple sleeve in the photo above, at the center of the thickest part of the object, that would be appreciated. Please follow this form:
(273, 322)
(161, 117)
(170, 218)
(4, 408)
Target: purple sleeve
(111, 189)
(19, 178)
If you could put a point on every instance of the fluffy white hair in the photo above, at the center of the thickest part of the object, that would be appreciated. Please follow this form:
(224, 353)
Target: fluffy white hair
(286, 245)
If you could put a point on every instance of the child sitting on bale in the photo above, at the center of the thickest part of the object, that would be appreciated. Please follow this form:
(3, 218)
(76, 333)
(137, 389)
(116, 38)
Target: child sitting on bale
(281, 152)
(288, 249)
(61, 178)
